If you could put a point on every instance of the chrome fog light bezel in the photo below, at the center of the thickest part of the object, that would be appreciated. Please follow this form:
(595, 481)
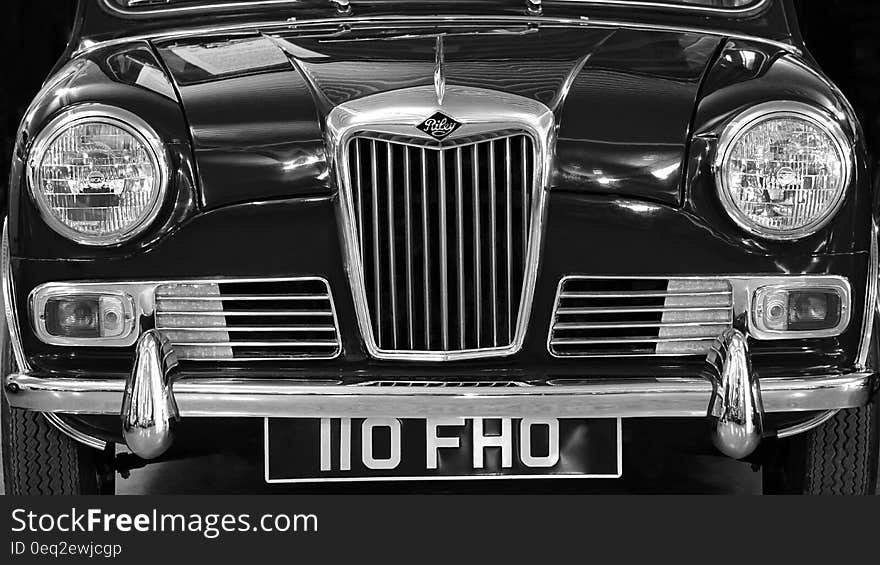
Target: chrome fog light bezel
(840, 287)
(43, 294)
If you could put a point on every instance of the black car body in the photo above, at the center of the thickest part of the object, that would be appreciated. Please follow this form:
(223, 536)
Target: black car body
(417, 210)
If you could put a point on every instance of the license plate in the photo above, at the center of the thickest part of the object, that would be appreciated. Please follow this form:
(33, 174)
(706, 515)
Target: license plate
(364, 449)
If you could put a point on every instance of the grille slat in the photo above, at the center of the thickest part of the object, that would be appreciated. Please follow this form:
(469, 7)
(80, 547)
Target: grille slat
(249, 297)
(228, 313)
(407, 176)
(508, 207)
(459, 242)
(639, 294)
(212, 321)
(493, 256)
(392, 255)
(614, 325)
(524, 197)
(582, 311)
(478, 282)
(359, 196)
(377, 275)
(452, 237)
(261, 329)
(426, 252)
(444, 259)
(611, 317)
(314, 343)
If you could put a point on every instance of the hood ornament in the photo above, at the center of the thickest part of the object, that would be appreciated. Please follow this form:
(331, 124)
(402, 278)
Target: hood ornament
(439, 126)
(439, 70)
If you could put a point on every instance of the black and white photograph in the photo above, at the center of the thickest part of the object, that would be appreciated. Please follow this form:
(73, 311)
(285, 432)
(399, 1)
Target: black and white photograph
(388, 247)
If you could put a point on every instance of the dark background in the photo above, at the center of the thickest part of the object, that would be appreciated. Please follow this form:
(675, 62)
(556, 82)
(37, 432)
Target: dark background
(841, 34)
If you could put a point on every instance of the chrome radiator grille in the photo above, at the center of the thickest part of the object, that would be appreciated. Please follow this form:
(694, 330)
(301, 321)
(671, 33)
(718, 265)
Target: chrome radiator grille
(249, 321)
(596, 317)
(443, 235)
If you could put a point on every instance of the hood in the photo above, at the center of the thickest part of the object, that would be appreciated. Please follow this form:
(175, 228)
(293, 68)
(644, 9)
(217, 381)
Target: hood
(623, 100)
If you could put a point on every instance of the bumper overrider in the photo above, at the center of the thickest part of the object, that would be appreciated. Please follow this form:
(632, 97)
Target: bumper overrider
(157, 392)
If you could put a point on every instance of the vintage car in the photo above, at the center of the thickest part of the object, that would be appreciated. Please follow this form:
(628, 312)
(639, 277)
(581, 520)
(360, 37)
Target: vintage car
(389, 240)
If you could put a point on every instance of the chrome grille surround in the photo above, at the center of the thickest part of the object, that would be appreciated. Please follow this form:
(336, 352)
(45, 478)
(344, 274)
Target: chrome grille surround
(445, 265)
(485, 115)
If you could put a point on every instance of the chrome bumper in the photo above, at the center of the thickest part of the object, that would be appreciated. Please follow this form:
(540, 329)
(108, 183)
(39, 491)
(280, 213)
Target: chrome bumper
(602, 398)
(152, 397)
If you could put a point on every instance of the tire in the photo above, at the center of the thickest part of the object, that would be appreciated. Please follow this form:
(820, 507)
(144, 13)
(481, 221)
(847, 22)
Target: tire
(38, 459)
(839, 457)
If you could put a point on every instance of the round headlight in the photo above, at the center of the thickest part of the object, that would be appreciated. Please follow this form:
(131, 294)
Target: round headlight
(98, 174)
(782, 169)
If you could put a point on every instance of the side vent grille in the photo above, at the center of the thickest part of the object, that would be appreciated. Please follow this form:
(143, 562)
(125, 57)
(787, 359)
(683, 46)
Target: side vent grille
(249, 321)
(618, 317)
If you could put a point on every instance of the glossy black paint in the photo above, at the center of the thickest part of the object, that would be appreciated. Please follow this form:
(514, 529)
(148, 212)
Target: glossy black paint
(127, 76)
(631, 189)
(623, 100)
(585, 234)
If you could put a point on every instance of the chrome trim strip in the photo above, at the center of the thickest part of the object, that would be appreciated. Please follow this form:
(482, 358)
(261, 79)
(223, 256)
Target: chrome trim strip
(508, 208)
(459, 243)
(384, 22)
(806, 426)
(755, 115)
(533, 7)
(493, 244)
(753, 7)
(392, 252)
(743, 289)
(439, 69)
(117, 117)
(478, 246)
(872, 307)
(9, 307)
(427, 255)
(480, 111)
(407, 204)
(621, 398)
(206, 8)
(73, 433)
(144, 298)
(443, 384)
(639, 310)
(444, 256)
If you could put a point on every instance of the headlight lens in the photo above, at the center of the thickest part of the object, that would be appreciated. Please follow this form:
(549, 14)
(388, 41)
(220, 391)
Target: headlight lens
(783, 170)
(98, 175)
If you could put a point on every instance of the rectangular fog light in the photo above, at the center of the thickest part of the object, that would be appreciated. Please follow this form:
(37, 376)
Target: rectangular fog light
(92, 318)
(781, 312)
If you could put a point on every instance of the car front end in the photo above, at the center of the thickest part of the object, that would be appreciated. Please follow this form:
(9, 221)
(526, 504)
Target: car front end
(473, 244)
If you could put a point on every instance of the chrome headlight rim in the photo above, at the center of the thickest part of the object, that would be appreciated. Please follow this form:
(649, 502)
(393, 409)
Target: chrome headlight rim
(748, 119)
(97, 113)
